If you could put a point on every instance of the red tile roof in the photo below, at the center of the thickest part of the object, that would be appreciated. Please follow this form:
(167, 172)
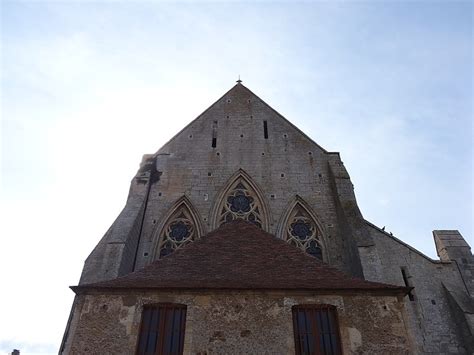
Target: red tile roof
(239, 255)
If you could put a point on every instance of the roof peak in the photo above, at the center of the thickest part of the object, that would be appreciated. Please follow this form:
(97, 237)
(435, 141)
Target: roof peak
(239, 255)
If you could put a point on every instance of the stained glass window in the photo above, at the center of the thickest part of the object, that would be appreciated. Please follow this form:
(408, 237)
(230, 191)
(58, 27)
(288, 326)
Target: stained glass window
(177, 232)
(303, 232)
(241, 202)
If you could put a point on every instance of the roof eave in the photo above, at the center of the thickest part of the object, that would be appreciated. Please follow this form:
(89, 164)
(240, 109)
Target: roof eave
(86, 289)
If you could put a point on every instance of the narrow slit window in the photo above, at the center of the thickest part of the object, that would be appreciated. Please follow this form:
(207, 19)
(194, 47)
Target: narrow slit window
(411, 296)
(265, 130)
(214, 134)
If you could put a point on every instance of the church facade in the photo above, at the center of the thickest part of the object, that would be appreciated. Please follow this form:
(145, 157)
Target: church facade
(242, 235)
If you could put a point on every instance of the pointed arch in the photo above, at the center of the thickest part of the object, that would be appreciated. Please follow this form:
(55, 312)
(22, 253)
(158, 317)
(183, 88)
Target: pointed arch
(180, 226)
(300, 227)
(241, 198)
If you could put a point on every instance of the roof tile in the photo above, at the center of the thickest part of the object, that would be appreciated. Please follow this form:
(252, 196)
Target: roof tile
(239, 255)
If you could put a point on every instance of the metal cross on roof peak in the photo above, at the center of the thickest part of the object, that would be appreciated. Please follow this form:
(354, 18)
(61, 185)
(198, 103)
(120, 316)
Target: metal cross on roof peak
(239, 81)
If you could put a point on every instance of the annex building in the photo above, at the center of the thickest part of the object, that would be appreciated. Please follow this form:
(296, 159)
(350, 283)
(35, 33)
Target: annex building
(243, 236)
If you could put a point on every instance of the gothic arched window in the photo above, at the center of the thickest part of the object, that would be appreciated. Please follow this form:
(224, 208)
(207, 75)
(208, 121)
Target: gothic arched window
(241, 201)
(302, 231)
(180, 229)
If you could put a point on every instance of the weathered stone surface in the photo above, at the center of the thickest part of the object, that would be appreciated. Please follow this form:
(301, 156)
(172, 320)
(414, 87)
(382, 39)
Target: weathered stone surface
(285, 166)
(432, 325)
(238, 322)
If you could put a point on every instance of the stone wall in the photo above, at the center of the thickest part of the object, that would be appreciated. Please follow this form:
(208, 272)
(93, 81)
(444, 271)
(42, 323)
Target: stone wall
(284, 165)
(434, 328)
(240, 322)
(451, 246)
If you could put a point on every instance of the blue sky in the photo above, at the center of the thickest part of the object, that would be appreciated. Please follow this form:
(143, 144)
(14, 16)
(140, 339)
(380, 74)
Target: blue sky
(88, 87)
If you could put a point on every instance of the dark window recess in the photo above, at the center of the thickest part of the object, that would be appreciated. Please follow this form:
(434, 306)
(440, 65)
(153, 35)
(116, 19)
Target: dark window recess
(162, 329)
(316, 330)
(214, 134)
(265, 130)
(411, 297)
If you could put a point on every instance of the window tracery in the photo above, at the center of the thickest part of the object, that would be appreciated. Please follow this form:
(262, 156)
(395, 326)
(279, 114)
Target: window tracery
(179, 230)
(241, 202)
(302, 231)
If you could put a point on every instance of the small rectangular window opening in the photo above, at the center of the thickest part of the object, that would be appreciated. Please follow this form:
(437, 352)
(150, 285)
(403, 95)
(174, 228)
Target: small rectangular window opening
(162, 329)
(316, 330)
(411, 297)
(214, 142)
(265, 130)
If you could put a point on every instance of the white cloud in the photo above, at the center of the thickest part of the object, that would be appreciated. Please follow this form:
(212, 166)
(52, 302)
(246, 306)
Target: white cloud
(88, 88)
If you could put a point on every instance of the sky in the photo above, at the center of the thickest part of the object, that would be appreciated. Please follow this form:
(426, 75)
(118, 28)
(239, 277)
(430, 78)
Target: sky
(88, 87)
